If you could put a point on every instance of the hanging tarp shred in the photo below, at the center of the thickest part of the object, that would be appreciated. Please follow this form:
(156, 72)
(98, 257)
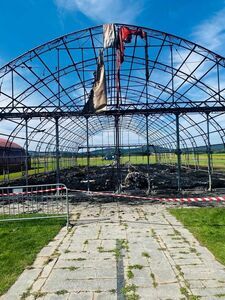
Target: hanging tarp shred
(97, 100)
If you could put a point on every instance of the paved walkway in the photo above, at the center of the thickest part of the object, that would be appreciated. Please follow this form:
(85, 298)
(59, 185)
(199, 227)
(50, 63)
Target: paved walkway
(122, 251)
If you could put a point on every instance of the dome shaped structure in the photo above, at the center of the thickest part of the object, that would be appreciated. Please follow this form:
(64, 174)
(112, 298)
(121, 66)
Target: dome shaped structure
(167, 91)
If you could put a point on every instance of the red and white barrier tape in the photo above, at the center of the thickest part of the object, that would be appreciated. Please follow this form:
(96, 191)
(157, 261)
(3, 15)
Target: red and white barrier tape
(33, 192)
(192, 199)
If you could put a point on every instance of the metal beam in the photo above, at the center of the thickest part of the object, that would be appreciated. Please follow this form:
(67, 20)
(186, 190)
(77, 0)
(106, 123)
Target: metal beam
(26, 152)
(117, 153)
(151, 111)
(88, 154)
(209, 154)
(178, 153)
(148, 154)
(57, 149)
(112, 146)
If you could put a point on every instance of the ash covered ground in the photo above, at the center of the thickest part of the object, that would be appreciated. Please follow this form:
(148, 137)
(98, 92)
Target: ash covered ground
(162, 179)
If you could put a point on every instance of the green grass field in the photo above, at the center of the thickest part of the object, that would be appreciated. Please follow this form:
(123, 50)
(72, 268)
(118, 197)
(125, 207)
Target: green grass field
(207, 225)
(20, 242)
(218, 160)
(41, 166)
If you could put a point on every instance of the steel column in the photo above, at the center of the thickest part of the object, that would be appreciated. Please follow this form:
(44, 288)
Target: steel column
(26, 152)
(172, 74)
(58, 75)
(148, 160)
(88, 155)
(218, 79)
(209, 155)
(117, 153)
(178, 153)
(12, 86)
(57, 149)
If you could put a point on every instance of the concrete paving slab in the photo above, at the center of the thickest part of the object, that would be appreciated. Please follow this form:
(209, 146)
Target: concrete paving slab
(116, 250)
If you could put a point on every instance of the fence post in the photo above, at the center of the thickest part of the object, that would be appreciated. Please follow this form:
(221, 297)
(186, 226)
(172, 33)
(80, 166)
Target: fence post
(67, 209)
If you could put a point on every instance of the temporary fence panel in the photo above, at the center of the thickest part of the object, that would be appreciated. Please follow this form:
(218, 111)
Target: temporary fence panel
(34, 202)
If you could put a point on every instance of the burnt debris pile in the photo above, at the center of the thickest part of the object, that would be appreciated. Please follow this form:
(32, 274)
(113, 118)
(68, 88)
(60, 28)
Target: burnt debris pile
(160, 179)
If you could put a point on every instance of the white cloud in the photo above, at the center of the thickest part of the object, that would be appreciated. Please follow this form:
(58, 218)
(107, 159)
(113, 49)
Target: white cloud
(211, 33)
(105, 10)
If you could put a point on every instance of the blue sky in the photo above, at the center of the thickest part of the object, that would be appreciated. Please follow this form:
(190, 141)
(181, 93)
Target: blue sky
(25, 24)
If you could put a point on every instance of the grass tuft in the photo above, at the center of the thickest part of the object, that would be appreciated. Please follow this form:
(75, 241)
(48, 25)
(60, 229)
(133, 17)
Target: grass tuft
(61, 292)
(146, 254)
(207, 225)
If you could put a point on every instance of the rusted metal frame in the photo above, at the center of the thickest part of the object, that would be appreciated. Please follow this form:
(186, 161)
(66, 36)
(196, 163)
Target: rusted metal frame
(133, 128)
(219, 91)
(139, 121)
(52, 140)
(42, 80)
(37, 89)
(72, 121)
(172, 79)
(216, 125)
(64, 136)
(75, 66)
(148, 153)
(56, 80)
(209, 158)
(88, 154)
(176, 72)
(57, 149)
(169, 134)
(168, 90)
(99, 146)
(197, 81)
(178, 153)
(93, 44)
(218, 79)
(198, 128)
(58, 84)
(117, 153)
(142, 110)
(157, 57)
(31, 85)
(189, 76)
(131, 66)
(48, 46)
(168, 125)
(26, 151)
(64, 141)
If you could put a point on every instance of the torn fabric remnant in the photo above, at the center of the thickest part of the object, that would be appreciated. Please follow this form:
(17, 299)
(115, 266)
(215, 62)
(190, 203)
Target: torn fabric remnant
(109, 35)
(98, 96)
(125, 36)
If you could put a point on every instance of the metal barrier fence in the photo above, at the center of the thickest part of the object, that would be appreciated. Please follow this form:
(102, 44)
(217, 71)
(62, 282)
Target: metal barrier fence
(34, 202)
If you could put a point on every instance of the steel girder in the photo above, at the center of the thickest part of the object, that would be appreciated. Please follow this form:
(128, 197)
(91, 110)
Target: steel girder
(54, 80)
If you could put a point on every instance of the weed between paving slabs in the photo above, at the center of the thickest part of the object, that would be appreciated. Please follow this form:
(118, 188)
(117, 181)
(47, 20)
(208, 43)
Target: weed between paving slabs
(120, 251)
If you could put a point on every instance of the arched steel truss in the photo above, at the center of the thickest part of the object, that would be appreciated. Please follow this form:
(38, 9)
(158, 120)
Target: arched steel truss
(50, 84)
